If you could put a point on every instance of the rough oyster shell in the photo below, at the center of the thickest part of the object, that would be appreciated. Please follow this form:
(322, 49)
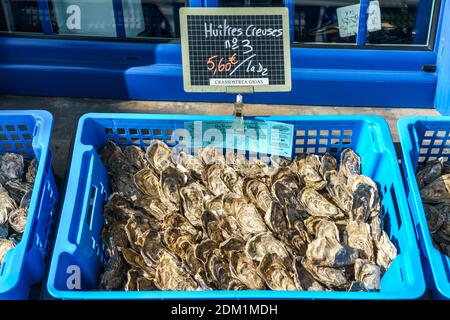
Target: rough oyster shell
(328, 252)
(317, 205)
(327, 163)
(309, 172)
(232, 180)
(159, 155)
(244, 269)
(192, 164)
(32, 168)
(18, 219)
(136, 157)
(368, 274)
(350, 164)
(211, 155)
(276, 219)
(360, 238)
(172, 180)
(6, 206)
(303, 279)
(366, 201)
(250, 221)
(435, 217)
(386, 251)
(214, 179)
(192, 197)
(170, 275)
(430, 172)
(336, 187)
(437, 191)
(331, 277)
(12, 166)
(258, 193)
(264, 243)
(112, 276)
(275, 273)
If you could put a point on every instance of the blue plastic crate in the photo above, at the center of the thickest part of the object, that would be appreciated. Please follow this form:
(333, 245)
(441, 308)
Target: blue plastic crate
(28, 133)
(79, 250)
(422, 139)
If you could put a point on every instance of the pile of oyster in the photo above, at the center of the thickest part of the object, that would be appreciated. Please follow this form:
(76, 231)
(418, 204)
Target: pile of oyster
(16, 186)
(215, 222)
(433, 179)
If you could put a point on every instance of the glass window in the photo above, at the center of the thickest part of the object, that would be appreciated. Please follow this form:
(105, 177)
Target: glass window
(315, 21)
(127, 18)
(403, 22)
(101, 18)
(20, 16)
(251, 3)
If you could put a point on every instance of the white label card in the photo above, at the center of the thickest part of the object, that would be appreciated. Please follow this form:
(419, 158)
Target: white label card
(348, 19)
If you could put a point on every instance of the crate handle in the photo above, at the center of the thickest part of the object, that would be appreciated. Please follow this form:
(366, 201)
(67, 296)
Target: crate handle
(39, 201)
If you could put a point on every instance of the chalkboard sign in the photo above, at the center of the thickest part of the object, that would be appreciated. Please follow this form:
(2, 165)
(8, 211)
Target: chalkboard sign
(235, 49)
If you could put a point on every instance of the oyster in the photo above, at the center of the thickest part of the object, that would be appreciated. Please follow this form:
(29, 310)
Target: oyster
(210, 156)
(6, 205)
(136, 157)
(328, 252)
(276, 219)
(327, 163)
(159, 155)
(275, 273)
(147, 182)
(170, 275)
(368, 274)
(366, 201)
(18, 219)
(32, 168)
(435, 217)
(303, 279)
(250, 221)
(204, 249)
(430, 172)
(214, 179)
(153, 248)
(12, 166)
(232, 180)
(26, 200)
(350, 164)
(360, 239)
(172, 180)
(309, 171)
(336, 187)
(317, 205)
(244, 269)
(17, 190)
(258, 193)
(319, 227)
(115, 237)
(192, 200)
(264, 243)
(218, 269)
(437, 191)
(331, 277)
(5, 246)
(232, 245)
(386, 251)
(112, 276)
(192, 164)
(177, 220)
